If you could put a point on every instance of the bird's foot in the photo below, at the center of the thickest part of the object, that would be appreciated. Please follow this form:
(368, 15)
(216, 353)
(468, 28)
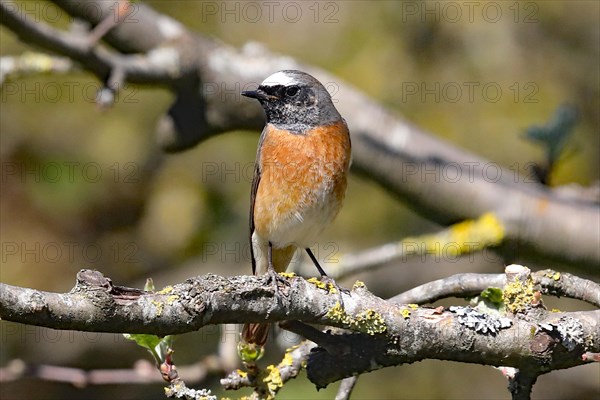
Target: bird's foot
(277, 280)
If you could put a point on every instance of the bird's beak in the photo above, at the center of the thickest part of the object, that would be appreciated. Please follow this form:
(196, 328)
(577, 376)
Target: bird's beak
(256, 94)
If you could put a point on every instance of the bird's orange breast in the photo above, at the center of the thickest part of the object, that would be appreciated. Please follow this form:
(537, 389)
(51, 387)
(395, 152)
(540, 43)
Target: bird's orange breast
(303, 182)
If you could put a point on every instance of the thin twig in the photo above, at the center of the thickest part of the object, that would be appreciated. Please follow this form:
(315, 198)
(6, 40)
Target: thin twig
(346, 388)
(521, 385)
(30, 63)
(462, 238)
(143, 372)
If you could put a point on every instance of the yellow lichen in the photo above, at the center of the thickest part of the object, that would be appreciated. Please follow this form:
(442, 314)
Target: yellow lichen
(517, 296)
(555, 276)
(317, 283)
(287, 359)
(555, 310)
(358, 284)
(241, 373)
(288, 274)
(368, 321)
(487, 230)
(166, 290)
(413, 306)
(338, 314)
(461, 238)
(171, 299)
(273, 379)
(159, 307)
(322, 285)
(405, 313)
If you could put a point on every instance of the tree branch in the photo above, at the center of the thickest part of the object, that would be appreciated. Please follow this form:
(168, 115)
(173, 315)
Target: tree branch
(466, 237)
(346, 388)
(521, 384)
(32, 63)
(469, 285)
(143, 372)
(274, 377)
(139, 69)
(384, 334)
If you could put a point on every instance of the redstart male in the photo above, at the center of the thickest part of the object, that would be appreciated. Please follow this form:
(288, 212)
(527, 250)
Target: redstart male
(300, 175)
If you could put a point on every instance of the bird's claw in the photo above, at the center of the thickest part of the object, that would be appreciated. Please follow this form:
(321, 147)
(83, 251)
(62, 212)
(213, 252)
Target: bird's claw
(276, 280)
(331, 283)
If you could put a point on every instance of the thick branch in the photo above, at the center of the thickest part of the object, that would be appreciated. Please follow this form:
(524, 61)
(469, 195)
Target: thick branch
(390, 334)
(469, 285)
(403, 158)
(432, 338)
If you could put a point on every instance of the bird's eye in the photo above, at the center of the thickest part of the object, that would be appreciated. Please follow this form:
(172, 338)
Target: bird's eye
(291, 91)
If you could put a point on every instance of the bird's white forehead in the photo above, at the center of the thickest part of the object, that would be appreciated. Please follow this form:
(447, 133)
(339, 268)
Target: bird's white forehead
(280, 78)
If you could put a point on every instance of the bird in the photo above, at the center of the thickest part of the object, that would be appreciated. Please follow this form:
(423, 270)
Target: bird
(300, 176)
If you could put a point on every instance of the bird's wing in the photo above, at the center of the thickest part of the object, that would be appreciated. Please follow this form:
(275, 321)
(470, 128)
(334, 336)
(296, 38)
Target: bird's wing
(255, 183)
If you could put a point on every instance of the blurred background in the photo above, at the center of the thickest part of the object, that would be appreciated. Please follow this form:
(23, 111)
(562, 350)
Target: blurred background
(87, 188)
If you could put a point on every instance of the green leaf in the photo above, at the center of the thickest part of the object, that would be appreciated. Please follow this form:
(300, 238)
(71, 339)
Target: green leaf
(147, 341)
(149, 286)
(493, 295)
(157, 346)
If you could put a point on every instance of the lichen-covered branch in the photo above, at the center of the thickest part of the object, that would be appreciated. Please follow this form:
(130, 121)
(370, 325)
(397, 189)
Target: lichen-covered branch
(470, 284)
(396, 154)
(269, 381)
(382, 333)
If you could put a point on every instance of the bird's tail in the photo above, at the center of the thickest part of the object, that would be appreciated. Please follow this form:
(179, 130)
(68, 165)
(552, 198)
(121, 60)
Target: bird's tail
(257, 333)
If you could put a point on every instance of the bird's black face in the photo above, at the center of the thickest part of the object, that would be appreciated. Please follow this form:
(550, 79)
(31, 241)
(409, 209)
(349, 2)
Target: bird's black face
(298, 103)
(288, 105)
(293, 95)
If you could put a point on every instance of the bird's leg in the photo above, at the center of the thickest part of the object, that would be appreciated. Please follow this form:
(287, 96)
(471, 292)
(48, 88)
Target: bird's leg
(273, 275)
(325, 278)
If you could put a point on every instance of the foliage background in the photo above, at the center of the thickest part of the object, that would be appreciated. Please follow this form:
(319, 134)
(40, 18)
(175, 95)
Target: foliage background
(175, 216)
